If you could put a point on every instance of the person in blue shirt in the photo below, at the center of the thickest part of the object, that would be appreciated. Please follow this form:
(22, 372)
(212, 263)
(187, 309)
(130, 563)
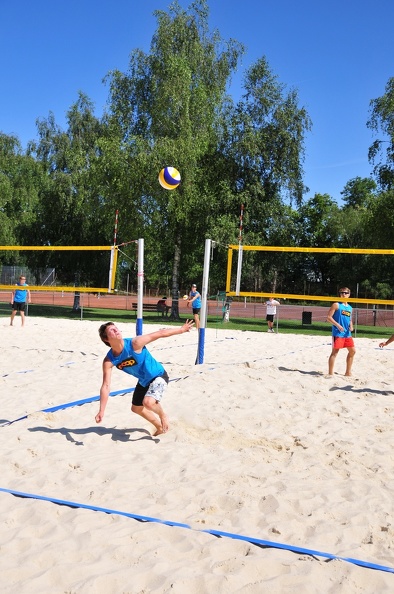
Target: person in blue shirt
(131, 356)
(340, 316)
(195, 301)
(18, 300)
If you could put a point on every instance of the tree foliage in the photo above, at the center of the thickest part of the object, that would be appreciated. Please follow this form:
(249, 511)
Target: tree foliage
(382, 122)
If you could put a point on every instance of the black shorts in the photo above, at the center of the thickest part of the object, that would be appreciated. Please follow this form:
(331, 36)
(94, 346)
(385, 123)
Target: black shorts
(196, 310)
(140, 391)
(269, 317)
(19, 305)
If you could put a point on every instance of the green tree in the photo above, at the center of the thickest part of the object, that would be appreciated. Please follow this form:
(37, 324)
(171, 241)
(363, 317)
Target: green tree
(70, 209)
(359, 192)
(166, 107)
(319, 226)
(262, 141)
(21, 178)
(382, 122)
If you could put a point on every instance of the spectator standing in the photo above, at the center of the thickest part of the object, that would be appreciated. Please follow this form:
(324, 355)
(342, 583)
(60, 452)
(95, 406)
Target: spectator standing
(271, 313)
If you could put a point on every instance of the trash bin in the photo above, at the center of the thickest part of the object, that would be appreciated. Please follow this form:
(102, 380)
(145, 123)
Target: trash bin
(306, 317)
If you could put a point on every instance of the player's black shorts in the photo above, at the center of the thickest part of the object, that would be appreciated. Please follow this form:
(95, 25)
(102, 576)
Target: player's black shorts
(196, 310)
(269, 318)
(19, 305)
(154, 389)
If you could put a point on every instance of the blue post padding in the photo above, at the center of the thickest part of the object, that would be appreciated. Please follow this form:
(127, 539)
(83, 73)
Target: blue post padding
(256, 541)
(138, 327)
(201, 344)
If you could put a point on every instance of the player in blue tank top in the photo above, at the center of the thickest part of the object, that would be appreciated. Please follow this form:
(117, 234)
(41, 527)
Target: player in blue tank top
(195, 301)
(340, 316)
(131, 356)
(18, 300)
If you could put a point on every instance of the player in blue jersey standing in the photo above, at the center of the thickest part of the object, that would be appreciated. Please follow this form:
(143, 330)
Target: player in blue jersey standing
(132, 356)
(18, 300)
(340, 316)
(195, 301)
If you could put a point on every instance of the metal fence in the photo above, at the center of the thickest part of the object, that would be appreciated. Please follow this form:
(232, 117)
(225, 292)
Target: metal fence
(9, 275)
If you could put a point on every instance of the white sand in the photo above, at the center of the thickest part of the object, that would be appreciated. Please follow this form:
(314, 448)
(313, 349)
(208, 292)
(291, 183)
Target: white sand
(262, 444)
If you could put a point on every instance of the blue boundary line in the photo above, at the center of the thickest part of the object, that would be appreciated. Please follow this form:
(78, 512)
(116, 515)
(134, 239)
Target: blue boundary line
(80, 402)
(69, 405)
(256, 541)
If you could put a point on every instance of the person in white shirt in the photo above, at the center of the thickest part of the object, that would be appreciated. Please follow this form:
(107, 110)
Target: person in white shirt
(271, 313)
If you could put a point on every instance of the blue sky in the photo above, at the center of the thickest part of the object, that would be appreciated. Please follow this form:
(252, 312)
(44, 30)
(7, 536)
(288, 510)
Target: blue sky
(338, 55)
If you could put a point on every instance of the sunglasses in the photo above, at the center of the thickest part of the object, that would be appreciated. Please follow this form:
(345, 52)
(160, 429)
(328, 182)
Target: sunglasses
(344, 292)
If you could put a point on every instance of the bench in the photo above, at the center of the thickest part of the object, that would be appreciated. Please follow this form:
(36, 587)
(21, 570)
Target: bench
(152, 307)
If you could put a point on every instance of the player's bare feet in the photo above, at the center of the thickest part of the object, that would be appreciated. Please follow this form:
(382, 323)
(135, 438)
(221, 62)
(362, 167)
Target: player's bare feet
(164, 426)
(165, 423)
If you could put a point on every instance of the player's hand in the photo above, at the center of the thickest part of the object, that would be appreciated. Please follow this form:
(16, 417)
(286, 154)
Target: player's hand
(99, 417)
(382, 344)
(188, 325)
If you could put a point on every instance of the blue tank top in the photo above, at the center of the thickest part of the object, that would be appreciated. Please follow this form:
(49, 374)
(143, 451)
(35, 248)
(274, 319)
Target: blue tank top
(141, 365)
(20, 294)
(343, 316)
(197, 302)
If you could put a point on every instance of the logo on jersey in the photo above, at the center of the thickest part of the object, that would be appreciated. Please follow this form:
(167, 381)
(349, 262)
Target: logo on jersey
(126, 363)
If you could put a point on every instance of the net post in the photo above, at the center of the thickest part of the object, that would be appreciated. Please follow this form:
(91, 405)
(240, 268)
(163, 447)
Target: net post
(140, 285)
(204, 296)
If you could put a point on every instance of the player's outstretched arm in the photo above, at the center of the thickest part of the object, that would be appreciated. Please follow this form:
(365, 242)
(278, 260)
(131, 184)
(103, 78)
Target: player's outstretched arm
(105, 388)
(140, 341)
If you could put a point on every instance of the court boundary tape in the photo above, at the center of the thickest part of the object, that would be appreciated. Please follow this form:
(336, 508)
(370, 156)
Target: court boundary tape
(81, 402)
(67, 405)
(218, 533)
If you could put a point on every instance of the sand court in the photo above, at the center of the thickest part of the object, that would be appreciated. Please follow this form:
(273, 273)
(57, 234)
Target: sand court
(262, 445)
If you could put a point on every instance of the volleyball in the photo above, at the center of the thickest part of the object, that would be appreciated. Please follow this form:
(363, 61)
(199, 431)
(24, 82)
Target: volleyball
(169, 178)
(185, 297)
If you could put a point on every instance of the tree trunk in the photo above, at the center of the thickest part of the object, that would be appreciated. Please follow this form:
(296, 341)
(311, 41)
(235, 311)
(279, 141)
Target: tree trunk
(175, 276)
(77, 294)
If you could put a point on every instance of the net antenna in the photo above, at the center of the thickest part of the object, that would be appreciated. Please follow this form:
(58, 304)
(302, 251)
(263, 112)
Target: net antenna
(114, 256)
(240, 252)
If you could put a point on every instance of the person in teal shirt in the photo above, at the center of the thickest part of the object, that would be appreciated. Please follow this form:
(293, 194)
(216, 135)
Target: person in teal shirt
(340, 316)
(195, 301)
(18, 300)
(131, 356)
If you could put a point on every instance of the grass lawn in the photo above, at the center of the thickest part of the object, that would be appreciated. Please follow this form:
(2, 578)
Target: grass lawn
(252, 324)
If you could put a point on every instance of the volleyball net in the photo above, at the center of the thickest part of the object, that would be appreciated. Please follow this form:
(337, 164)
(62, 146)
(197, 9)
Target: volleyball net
(113, 249)
(233, 287)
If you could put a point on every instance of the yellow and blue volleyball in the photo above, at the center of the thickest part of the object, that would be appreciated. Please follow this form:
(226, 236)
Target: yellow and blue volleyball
(169, 178)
